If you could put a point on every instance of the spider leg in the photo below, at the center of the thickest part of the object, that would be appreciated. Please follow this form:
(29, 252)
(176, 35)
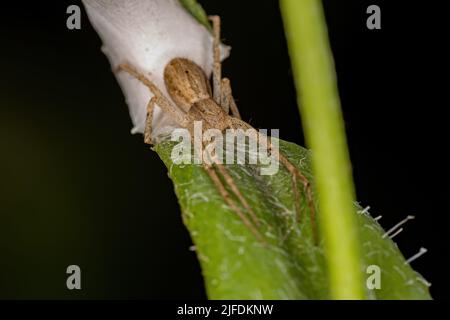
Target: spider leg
(223, 97)
(297, 175)
(221, 87)
(230, 202)
(177, 114)
(293, 170)
(227, 99)
(149, 121)
(217, 67)
(214, 159)
(230, 182)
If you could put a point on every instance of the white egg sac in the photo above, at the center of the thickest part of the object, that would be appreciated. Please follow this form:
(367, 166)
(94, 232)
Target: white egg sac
(148, 34)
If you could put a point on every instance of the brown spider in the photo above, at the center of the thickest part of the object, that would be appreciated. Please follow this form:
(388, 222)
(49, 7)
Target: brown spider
(190, 90)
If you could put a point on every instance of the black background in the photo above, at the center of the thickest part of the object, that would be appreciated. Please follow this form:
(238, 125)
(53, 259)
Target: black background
(77, 188)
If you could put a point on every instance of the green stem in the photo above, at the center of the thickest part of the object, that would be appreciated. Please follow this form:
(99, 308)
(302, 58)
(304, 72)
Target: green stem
(315, 79)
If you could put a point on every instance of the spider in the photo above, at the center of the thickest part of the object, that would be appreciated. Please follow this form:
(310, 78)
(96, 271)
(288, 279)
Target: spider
(194, 100)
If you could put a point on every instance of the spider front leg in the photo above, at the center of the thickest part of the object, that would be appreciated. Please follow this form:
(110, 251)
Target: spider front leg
(293, 170)
(232, 185)
(227, 100)
(149, 121)
(221, 188)
(217, 67)
(221, 87)
(296, 176)
(230, 202)
(177, 114)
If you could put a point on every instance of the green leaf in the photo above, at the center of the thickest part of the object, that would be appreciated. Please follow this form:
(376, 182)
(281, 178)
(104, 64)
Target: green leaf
(196, 10)
(237, 266)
